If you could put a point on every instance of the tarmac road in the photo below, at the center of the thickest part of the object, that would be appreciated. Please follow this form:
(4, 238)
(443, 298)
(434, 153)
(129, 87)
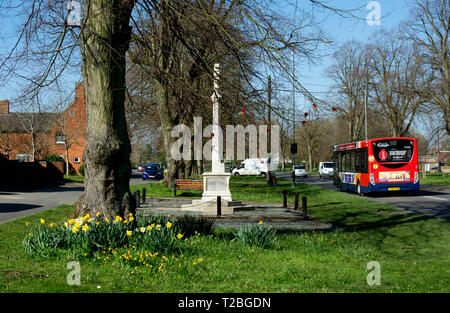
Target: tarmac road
(431, 200)
(19, 203)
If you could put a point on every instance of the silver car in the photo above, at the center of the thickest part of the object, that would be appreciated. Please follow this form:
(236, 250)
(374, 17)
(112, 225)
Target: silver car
(300, 171)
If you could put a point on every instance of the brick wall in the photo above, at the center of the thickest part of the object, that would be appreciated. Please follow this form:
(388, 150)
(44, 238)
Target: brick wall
(73, 124)
(72, 121)
(4, 106)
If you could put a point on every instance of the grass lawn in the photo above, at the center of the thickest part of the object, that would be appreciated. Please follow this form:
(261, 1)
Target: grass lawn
(412, 250)
(74, 178)
(436, 179)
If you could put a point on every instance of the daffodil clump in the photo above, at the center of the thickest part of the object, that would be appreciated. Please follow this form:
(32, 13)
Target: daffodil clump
(256, 235)
(87, 235)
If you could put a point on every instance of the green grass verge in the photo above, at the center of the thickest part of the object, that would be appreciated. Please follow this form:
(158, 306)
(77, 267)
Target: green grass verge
(439, 179)
(74, 178)
(413, 251)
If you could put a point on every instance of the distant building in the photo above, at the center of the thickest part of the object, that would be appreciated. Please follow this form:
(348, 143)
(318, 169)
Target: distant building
(53, 133)
(427, 162)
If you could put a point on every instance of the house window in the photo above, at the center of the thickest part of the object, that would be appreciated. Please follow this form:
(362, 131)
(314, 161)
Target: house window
(59, 139)
(23, 158)
(76, 160)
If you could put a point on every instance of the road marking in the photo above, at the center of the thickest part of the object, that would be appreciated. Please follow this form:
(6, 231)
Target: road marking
(437, 198)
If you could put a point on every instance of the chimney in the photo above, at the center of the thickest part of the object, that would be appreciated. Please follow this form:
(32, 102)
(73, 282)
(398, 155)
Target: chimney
(79, 91)
(4, 106)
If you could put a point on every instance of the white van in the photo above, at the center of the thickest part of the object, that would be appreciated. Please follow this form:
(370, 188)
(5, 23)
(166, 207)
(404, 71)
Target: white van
(257, 167)
(325, 169)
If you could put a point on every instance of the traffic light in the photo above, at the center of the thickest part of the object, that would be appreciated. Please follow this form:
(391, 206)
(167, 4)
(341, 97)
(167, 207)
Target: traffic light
(293, 148)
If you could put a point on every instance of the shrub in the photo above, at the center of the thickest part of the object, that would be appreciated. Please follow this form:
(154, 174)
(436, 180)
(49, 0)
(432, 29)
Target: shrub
(81, 170)
(256, 235)
(54, 158)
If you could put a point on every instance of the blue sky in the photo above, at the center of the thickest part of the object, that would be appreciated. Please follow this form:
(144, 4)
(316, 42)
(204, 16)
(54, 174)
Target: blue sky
(338, 29)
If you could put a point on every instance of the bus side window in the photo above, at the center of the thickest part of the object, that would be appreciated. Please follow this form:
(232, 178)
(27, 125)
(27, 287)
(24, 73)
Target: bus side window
(364, 161)
(358, 161)
(344, 162)
(339, 161)
(352, 161)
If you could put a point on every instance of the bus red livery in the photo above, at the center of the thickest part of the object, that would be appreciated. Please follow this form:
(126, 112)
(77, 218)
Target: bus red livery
(381, 164)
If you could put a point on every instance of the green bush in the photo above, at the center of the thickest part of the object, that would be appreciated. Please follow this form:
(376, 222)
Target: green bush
(81, 170)
(54, 158)
(256, 235)
(448, 162)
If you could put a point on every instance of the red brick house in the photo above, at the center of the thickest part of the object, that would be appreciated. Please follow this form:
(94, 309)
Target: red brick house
(33, 136)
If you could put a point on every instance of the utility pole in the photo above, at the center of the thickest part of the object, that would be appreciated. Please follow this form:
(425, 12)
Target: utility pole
(271, 177)
(365, 98)
(293, 115)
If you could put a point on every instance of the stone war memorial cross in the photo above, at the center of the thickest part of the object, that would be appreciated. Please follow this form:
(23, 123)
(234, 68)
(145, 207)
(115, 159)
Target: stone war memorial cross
(217, 182)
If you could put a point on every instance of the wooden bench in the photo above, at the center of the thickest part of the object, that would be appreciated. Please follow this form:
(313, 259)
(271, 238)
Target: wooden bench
(187, 184)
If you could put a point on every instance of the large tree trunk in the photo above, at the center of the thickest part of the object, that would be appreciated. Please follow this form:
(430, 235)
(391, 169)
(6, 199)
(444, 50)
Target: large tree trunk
(104, 41)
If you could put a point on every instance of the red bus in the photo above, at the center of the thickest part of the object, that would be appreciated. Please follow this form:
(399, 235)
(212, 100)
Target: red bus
(374, 165)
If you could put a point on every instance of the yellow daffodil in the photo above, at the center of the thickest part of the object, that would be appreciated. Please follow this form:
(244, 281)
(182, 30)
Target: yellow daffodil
(129, 232)
(29, 234)
(98, 214)
(179, 236)
(86, 217)
(131, 218)
(27, 224)
(169, 224)
(98, 223)
(118, 218)
(85, 228)
(125, 221)
(51, 225)
(77, 224)
(130, 214)
(42, 221)
(71, 221)
(149, 228)
(158, 227)
(74, 230)
(200, 260)
(260, 222)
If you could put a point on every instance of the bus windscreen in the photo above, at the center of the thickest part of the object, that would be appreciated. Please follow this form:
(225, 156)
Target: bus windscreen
(393, 150)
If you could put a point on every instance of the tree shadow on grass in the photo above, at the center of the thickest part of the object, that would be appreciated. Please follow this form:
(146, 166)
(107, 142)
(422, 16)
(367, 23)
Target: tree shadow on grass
(377, 221)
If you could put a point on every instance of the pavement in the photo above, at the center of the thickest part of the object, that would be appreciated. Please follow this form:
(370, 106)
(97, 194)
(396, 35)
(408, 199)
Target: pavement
(19, 203)
(249, 213)
(431, 200)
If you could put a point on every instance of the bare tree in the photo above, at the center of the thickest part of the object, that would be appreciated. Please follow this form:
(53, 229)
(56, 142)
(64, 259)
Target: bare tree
(400, 82)
(429, 28)
(351, 76)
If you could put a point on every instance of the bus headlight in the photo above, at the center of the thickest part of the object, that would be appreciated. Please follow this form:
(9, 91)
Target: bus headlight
(416, 177)
(372, 178)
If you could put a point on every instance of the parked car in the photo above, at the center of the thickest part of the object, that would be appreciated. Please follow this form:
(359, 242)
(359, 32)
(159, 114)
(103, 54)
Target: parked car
(300, 170)
(435, 169)
(152, 171)
(141, 168)
(258, 167)
(325, 169)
